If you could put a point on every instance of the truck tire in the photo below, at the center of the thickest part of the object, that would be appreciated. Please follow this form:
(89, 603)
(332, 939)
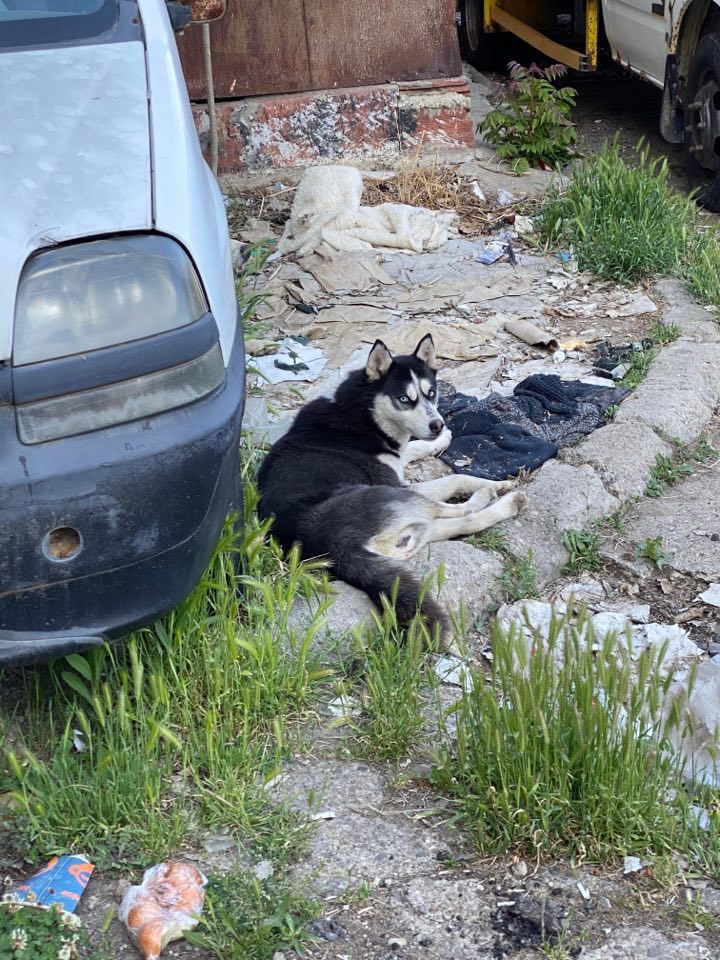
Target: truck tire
(485, 51)
(702, 122)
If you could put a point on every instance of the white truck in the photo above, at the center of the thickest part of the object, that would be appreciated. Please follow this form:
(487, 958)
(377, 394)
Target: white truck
(674, 44)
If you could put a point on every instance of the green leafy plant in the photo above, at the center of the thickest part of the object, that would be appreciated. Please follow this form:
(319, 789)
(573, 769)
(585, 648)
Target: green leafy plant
(584, 549)
(652, 550)
(640, 363)
(532, 128)
(623, 220)
(29, 932)
(562, 746)
(701, 270)
(245, 917)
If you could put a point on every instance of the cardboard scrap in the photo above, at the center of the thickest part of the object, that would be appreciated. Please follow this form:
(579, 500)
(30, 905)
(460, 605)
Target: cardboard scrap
(453, 341)
(350, 271)
(527, 332)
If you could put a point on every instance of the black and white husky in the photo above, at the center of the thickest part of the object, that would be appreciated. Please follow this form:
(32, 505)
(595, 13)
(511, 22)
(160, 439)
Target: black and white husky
(335, 482)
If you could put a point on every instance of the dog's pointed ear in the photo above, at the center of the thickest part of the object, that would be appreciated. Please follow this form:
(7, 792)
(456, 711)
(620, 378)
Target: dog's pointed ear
(379, 361)
(425, 351)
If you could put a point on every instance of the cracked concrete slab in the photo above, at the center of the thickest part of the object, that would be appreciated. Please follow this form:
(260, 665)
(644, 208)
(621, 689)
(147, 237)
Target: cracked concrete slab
(622, 455)
(688, 519)
(680, 392)
(644, 943)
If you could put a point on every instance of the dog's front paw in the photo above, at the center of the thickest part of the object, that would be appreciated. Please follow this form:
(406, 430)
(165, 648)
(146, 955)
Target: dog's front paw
(517, 501)
(442, 442)
(504, 486)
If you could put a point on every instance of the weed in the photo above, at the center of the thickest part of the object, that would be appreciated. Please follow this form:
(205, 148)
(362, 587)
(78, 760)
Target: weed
(664, 474)
(669, 470)
(664, 333)
(393, 670)
(519, 577)
(584, 549)
(640, 362)
(611, 411)
(490, 539)
(695, 914)
(534, 126)
(652, 550)
(560, 746)
(616, 520)
(244, 917)
(179, 724)
(624, 222)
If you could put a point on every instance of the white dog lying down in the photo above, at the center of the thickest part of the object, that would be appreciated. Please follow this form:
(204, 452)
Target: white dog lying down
(327, 209)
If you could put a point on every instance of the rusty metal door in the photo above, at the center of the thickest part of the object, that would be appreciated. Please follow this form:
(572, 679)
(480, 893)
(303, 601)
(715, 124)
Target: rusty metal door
(285, 46)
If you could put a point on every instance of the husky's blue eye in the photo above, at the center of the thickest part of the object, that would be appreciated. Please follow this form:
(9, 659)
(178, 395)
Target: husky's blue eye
(431, 394)
(404, 399)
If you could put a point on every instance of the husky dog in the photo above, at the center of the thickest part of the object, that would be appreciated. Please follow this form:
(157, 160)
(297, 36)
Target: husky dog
(335, 482)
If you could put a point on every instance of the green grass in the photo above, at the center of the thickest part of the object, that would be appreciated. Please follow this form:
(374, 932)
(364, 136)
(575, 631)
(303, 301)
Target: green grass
(490, 539)
(393, 671)
(664, 333)
(640, 363)
(625, 224)
(244, 917)
(702, 268)
(560, 749)
(180, 723)
(623, 221)
(584, 549)
(519, 577)
(652, 550)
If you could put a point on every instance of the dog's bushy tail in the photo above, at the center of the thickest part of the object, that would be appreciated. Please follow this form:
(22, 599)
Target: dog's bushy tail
(378, 577)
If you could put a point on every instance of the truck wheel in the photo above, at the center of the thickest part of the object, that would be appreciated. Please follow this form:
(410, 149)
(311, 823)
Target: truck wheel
(485, 51)
(702, 122)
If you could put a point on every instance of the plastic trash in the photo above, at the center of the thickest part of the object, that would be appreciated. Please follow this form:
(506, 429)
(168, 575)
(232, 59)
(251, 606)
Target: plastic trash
(61, 883)
(166, 904)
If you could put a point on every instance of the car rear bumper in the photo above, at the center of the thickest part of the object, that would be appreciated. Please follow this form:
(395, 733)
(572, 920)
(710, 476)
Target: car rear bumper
(149, 500)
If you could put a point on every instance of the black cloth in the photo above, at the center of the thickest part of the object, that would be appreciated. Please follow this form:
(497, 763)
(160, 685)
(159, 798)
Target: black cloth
(497, 437)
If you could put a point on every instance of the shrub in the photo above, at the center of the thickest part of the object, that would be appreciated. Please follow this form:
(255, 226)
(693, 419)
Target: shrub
(533, 127)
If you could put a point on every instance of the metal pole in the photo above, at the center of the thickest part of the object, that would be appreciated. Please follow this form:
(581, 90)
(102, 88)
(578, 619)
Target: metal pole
(210, 98)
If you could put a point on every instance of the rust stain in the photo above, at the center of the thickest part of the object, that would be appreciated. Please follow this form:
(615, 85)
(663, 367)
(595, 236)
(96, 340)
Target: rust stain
(205, 9)
(285, 46)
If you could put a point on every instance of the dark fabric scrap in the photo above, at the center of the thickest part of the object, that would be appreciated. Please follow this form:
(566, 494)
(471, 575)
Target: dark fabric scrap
(497, 437)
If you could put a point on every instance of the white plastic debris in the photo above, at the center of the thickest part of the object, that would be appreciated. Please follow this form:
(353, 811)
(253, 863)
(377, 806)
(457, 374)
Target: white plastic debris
(523, 225)
(711, 595)
(699, 742)
(632, 865)
(344, 706)
(78, 739)
(323, 815)
(263, 870)
(584, 892)
(163, 907)
(453, 671)
(477, 190)
(505, 198)
(294, 361)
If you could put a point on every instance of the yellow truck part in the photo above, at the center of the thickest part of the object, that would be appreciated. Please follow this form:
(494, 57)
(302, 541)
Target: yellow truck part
(528, 21)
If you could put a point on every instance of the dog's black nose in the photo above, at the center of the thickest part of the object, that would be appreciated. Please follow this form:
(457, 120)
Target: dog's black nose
(436, 426)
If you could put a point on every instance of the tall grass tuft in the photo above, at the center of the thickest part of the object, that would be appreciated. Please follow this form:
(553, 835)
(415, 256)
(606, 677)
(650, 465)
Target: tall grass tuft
(561, 748)
(624, 222)
(178, 726)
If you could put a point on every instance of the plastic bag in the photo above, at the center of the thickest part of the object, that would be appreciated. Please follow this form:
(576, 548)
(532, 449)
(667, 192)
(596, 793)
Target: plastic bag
(167, 902)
